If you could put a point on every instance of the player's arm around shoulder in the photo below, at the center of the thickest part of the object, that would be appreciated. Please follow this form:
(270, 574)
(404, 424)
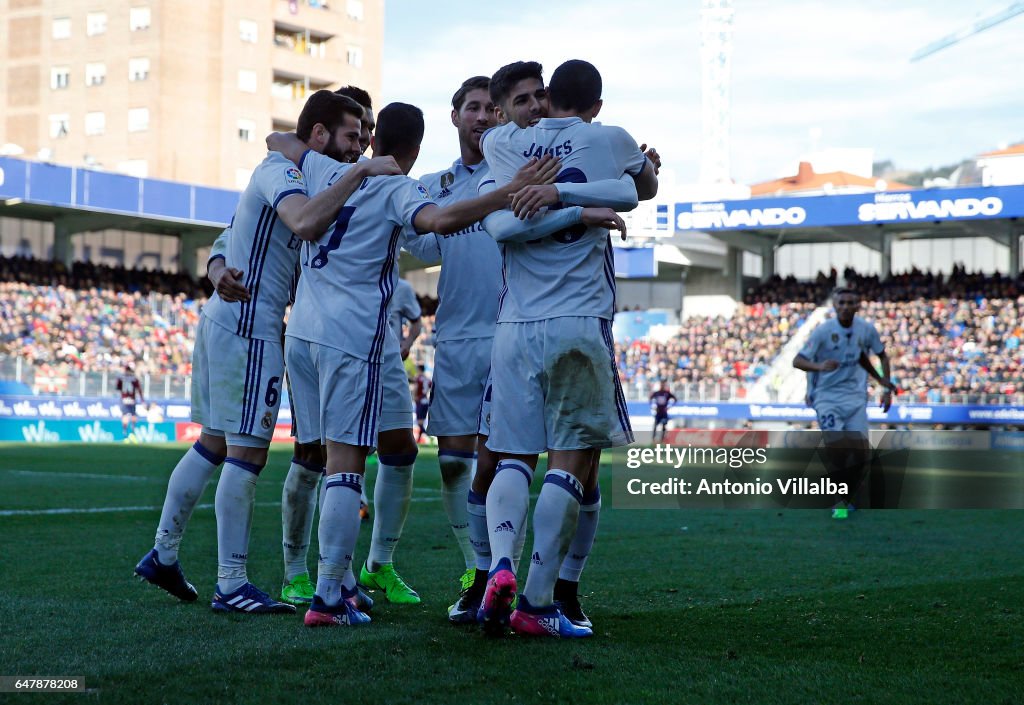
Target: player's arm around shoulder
(634, 161)
(309, 217)
(464, 213)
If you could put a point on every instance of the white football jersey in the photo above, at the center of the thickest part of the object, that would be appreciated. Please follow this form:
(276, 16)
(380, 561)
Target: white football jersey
(404, 306)
(831, 341)
(349, 274)
(470, 281)
(265, 249)
(571, 272)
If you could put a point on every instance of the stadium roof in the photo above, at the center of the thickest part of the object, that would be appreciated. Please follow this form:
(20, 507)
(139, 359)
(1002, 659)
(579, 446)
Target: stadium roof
(95, 200)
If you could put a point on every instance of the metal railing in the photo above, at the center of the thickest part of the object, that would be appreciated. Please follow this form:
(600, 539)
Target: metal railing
(157, 387)
(90, 384)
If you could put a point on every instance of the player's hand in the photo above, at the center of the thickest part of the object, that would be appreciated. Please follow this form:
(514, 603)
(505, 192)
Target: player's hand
(604, 218)
(886, 401)
(536, 171)
(405, 348)
(227, 281)
(527, 201)
(276, 141)
(653, 155)
(828, 366)
(381, 166)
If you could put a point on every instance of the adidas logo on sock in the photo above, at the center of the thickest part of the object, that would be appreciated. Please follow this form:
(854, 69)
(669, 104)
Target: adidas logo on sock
(536, 558)
(505, 526)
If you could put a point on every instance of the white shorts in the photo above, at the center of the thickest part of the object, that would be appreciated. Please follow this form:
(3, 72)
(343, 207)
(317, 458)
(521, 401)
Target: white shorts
(461, 368)
(236, 381)
(556, 387)
(350, 396)
(484, 422)
(839, 417)
(304, 390)
(397, 410)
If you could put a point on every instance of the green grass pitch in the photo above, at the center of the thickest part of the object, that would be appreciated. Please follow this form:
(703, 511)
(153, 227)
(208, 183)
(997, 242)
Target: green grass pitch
(689, 606)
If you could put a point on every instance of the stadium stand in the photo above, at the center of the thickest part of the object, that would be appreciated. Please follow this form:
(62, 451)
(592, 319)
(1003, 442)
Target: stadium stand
(94, 318)
(952, 338)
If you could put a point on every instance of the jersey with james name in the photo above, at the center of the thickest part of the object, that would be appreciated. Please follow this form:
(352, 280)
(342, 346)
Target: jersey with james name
(265, 249)
(847, 384)
(349, 274)
(571, 272)
(470, 280)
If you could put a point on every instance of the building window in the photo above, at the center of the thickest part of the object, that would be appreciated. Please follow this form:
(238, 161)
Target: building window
(59, 125)
(138, 69)
(138, 119)
(355, 57)
(95, 74)
(139, 18)
(247, 81)
(242, 177)
(134, 167)
(61, 27)
(248, 31)
(354, 8)
(246, 130)
(60, 77)
(95, 23)
(95, 123)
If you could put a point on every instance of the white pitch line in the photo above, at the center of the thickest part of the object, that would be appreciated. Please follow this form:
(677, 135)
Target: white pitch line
(82, 475)
(108, 510)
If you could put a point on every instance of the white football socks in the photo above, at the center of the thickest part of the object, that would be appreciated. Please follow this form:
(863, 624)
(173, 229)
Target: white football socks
(508, 501)
(476, 506)
(184, 488)
(236, 494)
(338, 533)
(583, 541)
(298, 504)
(456, 476)
(391, 494)
(554, 524)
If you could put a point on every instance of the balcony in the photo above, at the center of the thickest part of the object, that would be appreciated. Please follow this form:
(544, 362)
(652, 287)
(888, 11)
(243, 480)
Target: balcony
(289, 92)
(306, 52)
(328, 18)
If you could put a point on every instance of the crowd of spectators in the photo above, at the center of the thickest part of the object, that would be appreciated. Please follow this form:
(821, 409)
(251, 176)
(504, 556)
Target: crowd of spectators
(96, 318)
(720, 357)
(953, 348)
(88, 275)
(956, 336)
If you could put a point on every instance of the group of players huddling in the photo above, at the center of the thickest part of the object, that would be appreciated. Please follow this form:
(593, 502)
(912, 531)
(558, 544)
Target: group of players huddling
(524, 358)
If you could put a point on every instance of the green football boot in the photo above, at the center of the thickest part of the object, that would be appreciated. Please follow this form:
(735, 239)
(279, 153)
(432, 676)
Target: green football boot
(299, 591)
(387, 579)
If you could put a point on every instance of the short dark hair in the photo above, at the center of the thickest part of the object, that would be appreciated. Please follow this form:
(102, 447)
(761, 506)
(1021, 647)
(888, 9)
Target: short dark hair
(470, 84)
(511, 74)
(327, 108)
(841, 290)
(357, 94)
(575, 85)
(399, 129)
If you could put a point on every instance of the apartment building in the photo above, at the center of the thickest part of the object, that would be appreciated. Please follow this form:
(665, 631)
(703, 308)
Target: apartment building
(174, 89)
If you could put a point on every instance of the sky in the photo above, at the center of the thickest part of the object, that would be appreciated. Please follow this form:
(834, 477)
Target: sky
(806, 74)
